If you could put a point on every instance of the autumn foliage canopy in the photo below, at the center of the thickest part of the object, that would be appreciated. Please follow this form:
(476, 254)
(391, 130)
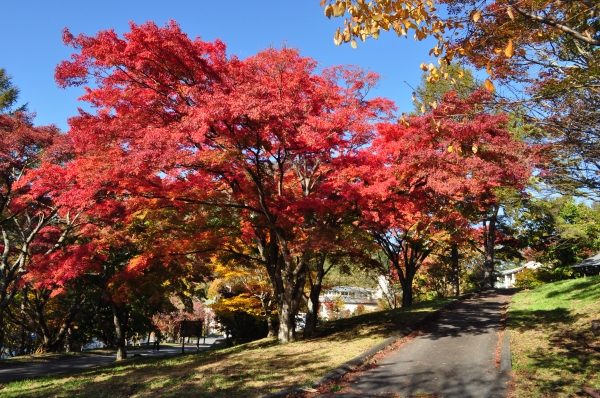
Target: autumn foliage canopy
(191, 155)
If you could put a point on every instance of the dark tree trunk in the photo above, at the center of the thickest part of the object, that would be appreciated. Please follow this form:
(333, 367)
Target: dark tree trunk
(288, 309)
(2, 333)
(489, 247)
(22, 326)
(119, 332)
(407, 291)
(288, 277)
(455, 270)
(312, 304)
(69, 339)
(52, 340)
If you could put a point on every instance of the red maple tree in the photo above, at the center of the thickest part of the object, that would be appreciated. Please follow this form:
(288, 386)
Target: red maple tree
(179, 121)
(426, 178)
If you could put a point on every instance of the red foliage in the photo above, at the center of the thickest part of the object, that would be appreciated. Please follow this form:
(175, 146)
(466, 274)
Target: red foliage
(179, 123)
(428, 177)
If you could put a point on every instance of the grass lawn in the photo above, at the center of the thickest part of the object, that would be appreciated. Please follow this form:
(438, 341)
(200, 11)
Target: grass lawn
(248, 370)
(554, 351)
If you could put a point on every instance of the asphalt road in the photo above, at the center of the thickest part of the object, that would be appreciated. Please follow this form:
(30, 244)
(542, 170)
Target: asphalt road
(34, 370)
(454, 357)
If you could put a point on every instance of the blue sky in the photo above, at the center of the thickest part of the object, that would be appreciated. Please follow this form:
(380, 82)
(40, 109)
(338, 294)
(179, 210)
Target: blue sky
(32, 46)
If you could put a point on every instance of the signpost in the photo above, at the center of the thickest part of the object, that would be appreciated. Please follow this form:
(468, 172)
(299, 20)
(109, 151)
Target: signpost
(190, 329)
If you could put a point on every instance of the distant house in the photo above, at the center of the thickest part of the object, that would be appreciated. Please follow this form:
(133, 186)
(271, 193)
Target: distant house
(351, 296)
(589, 266)
(508, 278)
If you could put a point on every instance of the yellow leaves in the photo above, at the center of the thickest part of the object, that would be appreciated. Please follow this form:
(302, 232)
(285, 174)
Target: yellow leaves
(435, 51)
(489, 86)
(476, 16)
(450, 148)
(436, 124)
(474, 148)
(509, 50)
(589, 32)
(243, 302)
(424, 66)
(423, 109)
(434, 104)
(403, 120)
(339, 9)
(338, 38)
(420, 34)
(328, 11)
(488, 68)
(353, 44)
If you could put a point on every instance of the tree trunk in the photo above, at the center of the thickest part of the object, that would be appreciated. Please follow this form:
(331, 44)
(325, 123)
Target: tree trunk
(68, 340)
(489, 246)
(288, 277)
(407, 293)
(119, 333)
(22, 327)
(455, 270)
(270, 326)
(287, 317)
(312, 304)
(2, 334)
(288, 309)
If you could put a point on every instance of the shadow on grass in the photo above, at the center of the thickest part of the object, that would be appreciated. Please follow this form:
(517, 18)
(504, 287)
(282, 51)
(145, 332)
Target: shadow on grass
(558, 353)
(190, 375)
(383, 323)
(532, 319)
(583, 289)
(571, 364)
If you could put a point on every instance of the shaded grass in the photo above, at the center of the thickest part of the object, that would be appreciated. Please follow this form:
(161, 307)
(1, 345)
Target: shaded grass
(554, 351)
(248, 370)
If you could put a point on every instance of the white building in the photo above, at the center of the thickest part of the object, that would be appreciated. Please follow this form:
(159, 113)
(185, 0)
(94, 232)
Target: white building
(351, 296)
(508, 278)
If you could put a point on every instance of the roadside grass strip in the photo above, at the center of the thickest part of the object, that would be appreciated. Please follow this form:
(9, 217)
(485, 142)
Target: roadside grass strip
(554, 350)
(248, 370)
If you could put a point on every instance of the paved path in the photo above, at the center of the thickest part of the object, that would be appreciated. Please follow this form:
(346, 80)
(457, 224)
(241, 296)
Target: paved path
(454, 357)
(33, 370)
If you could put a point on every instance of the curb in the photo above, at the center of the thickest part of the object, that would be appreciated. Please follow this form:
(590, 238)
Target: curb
(368, 354)
(505, 360)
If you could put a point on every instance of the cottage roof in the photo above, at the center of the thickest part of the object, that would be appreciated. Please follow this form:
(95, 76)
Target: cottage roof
(592, 261)
(349, 289)
(529, 264)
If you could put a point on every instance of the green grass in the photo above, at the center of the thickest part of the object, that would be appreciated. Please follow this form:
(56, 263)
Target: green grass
(248, 370)
(554, 351)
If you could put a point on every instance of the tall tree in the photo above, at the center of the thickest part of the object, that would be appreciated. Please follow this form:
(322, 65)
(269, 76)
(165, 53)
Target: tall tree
(178, 121)
(32, 226)
(437, 166)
